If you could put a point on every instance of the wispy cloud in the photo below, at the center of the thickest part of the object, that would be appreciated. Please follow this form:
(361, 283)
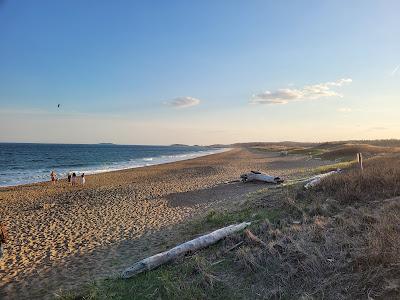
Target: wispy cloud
(24, 111)
(377, 128)
(395, 70)
(308, 92)
(183, 102)
(344, 109)
(57, 113)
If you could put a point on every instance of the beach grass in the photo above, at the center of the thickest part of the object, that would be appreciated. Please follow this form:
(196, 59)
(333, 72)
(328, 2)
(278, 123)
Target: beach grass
(307, 151)
(185, 279)
(335, 151)
(216, 219)
(335, 166)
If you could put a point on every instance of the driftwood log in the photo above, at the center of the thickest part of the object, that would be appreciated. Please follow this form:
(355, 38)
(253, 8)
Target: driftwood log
(258, 176)
(159, 259)
(313, 181)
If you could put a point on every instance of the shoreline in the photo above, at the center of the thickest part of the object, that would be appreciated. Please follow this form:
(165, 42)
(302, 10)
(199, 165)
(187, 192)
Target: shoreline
(177, 158)
(62, 236)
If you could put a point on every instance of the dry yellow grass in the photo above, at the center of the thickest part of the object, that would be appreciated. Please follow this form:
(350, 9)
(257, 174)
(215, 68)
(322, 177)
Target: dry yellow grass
(350, 151)
(379, 180)
(338, 241)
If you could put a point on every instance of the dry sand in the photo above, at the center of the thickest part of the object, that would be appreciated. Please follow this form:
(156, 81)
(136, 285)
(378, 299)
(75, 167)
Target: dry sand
(62, 237)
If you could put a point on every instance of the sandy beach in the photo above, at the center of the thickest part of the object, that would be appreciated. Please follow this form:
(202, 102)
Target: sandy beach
(62, 237)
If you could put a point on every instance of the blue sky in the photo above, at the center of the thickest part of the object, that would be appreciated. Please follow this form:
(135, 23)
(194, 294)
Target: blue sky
(160, 72)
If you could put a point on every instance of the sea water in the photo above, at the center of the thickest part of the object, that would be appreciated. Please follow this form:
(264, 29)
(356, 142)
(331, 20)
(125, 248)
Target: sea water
(22, 163)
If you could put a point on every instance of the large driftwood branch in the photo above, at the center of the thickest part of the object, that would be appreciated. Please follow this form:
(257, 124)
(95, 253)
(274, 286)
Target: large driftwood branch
(193, 245)
(258, 176)
(313, 181)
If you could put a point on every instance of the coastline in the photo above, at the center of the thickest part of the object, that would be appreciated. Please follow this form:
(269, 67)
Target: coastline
(62, 236)
(147, 162)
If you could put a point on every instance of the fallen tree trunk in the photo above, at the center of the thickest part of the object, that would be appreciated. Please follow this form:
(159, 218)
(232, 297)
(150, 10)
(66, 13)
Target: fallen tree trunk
(157, 260)
(258, 176)
(313, 181)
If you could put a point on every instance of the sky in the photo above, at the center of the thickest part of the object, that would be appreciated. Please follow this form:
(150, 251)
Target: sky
(198, 72)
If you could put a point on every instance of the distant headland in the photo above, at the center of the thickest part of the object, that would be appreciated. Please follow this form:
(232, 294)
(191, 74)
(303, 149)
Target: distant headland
(179, 145)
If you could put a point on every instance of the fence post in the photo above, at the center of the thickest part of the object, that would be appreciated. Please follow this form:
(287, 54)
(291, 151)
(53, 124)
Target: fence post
(360, 161)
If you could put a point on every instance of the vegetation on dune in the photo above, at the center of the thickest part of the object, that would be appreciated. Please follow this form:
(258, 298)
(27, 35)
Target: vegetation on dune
(272, 144)
(324, 145)
(382, 143)
(335, 166)
(342, 151)
(306, 151)
(380, 180)
(217, 219)
(349, 151)
(339, 240)
(189, 279)
(291, 150)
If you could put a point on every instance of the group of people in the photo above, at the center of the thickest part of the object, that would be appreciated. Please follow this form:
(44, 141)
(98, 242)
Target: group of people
(72, 178)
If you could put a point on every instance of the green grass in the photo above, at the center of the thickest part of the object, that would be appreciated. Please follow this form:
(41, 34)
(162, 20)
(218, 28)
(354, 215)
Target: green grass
(307, 151)
(218, 219)
(269, 149)
(186, 279)
(292, 150)
(333, 167)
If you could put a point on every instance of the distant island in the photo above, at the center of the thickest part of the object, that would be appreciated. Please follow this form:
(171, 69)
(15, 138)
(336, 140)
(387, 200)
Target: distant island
(179, 145)
(106, 143)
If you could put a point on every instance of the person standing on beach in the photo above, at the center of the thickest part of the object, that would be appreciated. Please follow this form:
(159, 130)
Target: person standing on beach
(69, 177)
(53, 176)
(3, 238)
(73, 181)
(83, 179)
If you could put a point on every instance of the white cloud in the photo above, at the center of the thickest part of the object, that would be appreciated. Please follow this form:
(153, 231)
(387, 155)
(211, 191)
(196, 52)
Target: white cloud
(344, 109)
(340, 82)
(183, 102)
(308, 92)
(395, 70)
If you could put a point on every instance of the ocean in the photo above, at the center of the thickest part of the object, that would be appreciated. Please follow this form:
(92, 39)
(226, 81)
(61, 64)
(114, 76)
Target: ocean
(22, 163)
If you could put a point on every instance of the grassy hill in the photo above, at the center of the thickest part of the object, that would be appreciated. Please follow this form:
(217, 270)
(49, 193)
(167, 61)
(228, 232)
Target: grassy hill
(307, 145)
(344, 151)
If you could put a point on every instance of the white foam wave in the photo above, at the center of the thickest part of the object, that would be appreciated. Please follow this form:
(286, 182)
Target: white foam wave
(31, 176)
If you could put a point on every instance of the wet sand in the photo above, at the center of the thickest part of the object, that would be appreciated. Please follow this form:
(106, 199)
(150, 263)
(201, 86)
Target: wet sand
(62, 237)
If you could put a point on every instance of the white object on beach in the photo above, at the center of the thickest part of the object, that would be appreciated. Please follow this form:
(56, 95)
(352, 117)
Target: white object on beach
(313, 181)
(258, 176)
(159, 259)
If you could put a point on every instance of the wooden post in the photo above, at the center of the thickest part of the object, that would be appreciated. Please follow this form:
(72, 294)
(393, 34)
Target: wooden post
(360, 161)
